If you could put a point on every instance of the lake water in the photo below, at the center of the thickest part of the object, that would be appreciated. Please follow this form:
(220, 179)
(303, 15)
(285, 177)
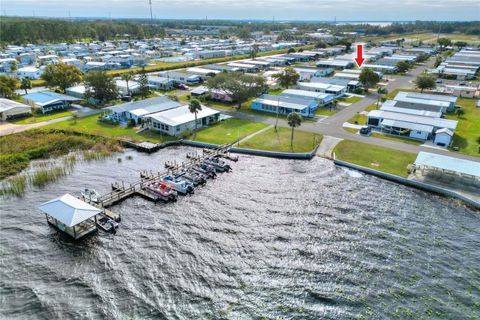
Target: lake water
(272, 239)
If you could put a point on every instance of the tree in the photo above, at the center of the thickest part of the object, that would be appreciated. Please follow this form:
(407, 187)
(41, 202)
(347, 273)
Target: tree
(403, 66)
(244, 34)
(425, 81)
(444, 42)
(381, 92)
(127, 77)
(347, 43)
(368, 78)
(438, 61)
(143, 88)
(26, 84)
(8, 86)
(254, 51)
(287, 77)
(74, 118)
(194, 107)
(422, 57)
(100, 86)
(294, 120)
(61, 75)
(320, 45)
(291, 50)
(461, 44)
(460, 112)
(239, 86)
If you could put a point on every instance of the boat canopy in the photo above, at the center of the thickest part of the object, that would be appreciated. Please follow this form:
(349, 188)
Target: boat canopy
(69, 210)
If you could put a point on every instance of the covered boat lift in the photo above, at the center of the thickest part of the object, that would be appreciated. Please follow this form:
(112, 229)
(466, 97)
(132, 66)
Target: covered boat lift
(71, 215)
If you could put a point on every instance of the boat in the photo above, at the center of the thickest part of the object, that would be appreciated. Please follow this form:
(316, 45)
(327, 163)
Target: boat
(206, 172)
(182, 186)
(162, 190)
(107, 224)
(219, 165)
(193, 177)
(91, 195)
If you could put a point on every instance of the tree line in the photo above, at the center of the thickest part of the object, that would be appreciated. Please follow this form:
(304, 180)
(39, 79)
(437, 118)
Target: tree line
(25, 30)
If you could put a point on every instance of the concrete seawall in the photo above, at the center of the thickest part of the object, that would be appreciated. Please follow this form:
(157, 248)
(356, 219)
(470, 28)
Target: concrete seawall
(410, 183)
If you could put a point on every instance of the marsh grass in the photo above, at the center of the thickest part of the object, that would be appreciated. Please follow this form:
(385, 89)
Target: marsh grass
(42, 177)
(14, 186)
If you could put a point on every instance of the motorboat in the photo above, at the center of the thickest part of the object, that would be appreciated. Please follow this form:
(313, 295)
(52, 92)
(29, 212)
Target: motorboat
(91, 195)
(162, 190)
(206, 172)
(193, 177)
(180, 185)
(107, 224)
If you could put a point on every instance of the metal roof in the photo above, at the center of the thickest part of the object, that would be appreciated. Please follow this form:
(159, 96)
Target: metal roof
(435, 122)
(307, 94)
(297, 103)
(427, 99)
(467, 167)
(69, 210)
(6, 104)
(46, 97)
(181, 115)
(390, 105)
(156, 104)
(407, 125)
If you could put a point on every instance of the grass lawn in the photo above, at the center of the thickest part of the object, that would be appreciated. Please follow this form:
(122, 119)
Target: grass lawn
(43, 117)
(351, 99)
(378, 158)
(276, 92)
(280, 141)
(395, 138)
(361, 119)
(352, 130)
(393, 93)
(468, 128)
(38, 83)
(321, 111)
(91, 125)
(228, 131)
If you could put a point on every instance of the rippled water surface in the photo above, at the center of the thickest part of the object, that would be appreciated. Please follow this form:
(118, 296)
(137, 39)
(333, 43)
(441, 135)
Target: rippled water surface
(272, 239)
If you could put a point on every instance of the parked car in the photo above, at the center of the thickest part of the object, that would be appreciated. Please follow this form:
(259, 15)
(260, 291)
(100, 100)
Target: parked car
(183, 87)
(365, 130)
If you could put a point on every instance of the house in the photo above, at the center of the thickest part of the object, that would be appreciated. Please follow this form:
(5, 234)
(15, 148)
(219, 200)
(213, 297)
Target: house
(160, 83)
(138, 109)
(10, 109)
(175, 121)
(285, 104)
(335, 64)
(203, 72)
(322, 99)
(95, 65)
(244, 67)
(7, 65)
(425, 101)
(381, 68)
(48, 101)
(76, 91)
(182, 77)
(306, 73)
(459, 91)
(30, 73)
(351, 85)
(129, 88)
(409, 125)
(443, 137)
(336, 90)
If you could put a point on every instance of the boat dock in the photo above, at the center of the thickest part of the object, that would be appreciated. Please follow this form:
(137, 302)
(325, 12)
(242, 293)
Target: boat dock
(122, 191)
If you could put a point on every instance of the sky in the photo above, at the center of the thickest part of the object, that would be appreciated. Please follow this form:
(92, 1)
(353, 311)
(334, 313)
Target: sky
(326, 10)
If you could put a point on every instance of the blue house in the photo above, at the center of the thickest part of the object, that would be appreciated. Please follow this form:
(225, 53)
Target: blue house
(48, 101)
(285, 105)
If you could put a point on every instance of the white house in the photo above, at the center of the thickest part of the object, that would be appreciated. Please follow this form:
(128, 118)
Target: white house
(175, 121)
(30, 73)
(336, 90)
(11, 109)
(160, 83)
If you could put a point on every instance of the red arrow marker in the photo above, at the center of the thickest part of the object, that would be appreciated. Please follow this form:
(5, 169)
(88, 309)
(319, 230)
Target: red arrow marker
(359, 59)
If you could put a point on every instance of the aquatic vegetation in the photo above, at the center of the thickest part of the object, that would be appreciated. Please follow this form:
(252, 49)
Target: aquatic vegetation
(44, 176)
(15, 186)
(18, 150)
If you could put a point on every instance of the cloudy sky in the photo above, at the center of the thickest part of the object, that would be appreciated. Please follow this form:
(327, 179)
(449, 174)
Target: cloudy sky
(375, 10)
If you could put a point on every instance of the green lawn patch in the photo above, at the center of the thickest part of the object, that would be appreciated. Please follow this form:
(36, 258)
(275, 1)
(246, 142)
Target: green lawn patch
(38, 83)
(228, 131)
(378, 158)
(321, 111)
(43, 117)
(360, 118)
(92, 125)
(468, 128)
(279, 140)
(350, 99)
(395, 138)
(352, 130)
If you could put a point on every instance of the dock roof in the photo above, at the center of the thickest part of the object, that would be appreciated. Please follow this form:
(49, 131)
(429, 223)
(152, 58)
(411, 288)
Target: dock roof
(69, 210)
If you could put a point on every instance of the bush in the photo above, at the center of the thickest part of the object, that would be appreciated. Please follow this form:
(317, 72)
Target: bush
(186, 134)
(131, 123)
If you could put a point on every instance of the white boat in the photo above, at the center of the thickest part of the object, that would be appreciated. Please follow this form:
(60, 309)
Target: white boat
(91, 195)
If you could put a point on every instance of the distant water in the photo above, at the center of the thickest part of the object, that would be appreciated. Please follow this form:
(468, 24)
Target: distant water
(277, 239)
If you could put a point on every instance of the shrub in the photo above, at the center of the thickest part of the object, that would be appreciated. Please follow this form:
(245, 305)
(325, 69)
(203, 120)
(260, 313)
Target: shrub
(186, 134)
(131, 123)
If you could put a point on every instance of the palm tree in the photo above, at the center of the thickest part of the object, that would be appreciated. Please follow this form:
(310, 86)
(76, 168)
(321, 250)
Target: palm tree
(127, 77)
(194, 106)
(294, 119)
(381, 91)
